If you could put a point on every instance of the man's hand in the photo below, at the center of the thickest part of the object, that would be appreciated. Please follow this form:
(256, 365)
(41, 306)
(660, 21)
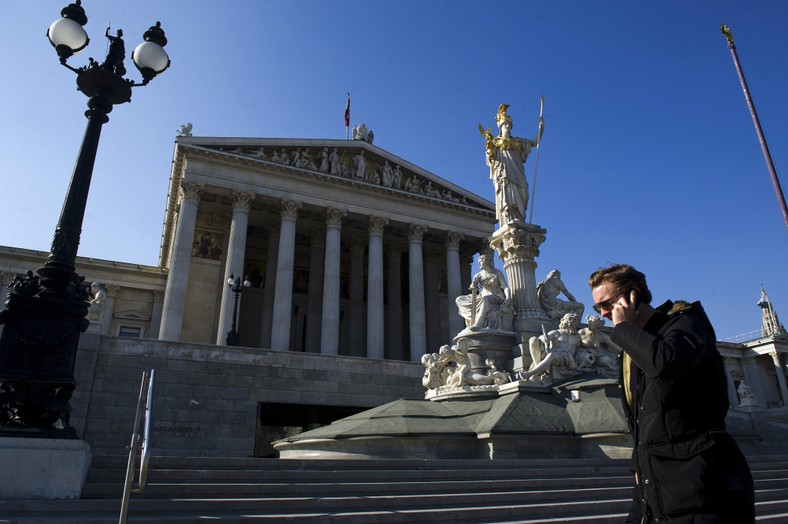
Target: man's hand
(625, 310)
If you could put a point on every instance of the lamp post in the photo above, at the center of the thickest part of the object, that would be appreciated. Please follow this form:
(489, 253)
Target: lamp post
(45, 311)
(237, 287)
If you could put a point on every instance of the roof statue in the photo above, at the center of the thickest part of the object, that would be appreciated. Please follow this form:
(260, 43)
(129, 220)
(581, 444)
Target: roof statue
(185, 130)
(360, 132)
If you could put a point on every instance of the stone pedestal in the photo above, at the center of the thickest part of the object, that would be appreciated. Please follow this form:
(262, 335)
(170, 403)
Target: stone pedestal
(42, 468)
(490, 344)
(517, 246)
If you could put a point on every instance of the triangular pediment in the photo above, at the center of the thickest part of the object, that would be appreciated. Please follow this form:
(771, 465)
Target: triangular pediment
(355, 162)
(131, 315)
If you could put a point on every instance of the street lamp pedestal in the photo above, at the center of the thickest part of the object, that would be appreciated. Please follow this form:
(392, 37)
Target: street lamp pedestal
(37, 356)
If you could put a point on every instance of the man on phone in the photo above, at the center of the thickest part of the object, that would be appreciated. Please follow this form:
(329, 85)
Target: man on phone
(688, 469)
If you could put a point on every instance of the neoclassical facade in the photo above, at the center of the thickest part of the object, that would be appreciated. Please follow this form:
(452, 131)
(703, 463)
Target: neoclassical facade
(355, 257)
(350, 250)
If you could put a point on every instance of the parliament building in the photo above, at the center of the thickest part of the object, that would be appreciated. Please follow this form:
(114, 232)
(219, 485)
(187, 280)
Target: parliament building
(350, 260)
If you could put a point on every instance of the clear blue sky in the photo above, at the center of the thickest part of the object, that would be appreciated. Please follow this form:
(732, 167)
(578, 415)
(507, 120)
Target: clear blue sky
(649, 154)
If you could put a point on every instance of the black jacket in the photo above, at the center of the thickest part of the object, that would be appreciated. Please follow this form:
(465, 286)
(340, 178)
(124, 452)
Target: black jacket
(687, 463)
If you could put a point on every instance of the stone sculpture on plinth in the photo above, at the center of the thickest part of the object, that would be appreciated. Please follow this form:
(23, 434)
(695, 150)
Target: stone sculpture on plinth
(512, 383)
(548, 291)
(489, 304)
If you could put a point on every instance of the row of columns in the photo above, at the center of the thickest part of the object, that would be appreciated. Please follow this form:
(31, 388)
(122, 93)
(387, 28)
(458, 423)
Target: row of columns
(277, 298)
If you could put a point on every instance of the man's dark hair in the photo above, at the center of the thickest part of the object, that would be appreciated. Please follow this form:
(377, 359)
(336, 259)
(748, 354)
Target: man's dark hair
(624, 278)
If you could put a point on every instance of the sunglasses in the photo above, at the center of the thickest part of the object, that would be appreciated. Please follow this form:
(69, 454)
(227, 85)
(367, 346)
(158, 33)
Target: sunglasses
(606, 304)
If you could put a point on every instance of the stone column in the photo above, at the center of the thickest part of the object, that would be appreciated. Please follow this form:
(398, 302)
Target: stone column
(180, 259)
(356, 322)
(466, 270)
(234, 265)
(518, 247)
(375, 316)
(109, 309)
(778, 368)
(155, 318)
(432, 278)
(315, 298)
(394, 311)
(269, 286)
(283, 297)
(329, 332)
(453, 282)
(418, 328)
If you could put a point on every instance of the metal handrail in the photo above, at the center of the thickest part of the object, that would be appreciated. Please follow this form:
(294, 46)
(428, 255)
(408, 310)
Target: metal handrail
(145, 458)
(135, 445)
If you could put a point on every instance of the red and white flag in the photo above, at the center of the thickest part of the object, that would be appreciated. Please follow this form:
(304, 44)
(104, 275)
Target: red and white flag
(347, 112)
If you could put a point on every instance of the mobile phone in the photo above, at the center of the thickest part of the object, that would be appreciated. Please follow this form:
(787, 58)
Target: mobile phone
(637, 297)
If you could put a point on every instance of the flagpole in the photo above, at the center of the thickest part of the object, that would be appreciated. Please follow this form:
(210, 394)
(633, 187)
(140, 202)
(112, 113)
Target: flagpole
(536, 161)
(726, 32)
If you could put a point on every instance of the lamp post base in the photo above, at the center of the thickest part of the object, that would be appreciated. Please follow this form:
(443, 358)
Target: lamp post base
(38, 350)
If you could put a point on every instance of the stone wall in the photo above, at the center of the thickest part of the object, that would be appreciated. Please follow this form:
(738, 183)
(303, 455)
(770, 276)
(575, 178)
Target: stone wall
(206, 397)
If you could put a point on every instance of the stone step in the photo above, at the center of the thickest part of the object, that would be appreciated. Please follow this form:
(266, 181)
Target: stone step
(456, 507)
(339, 475)
(327, 489)
(159, 487)
(174, 462)
(197, 489)
(242, 511)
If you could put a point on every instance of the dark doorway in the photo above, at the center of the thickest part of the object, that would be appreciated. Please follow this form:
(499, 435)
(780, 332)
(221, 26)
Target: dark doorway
(277, 421)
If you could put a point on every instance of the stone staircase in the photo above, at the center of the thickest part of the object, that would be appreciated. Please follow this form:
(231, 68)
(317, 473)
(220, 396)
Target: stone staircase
(179, 490)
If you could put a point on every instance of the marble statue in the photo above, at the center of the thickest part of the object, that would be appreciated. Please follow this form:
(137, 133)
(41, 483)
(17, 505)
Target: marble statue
(506, 156)
(97, 302)
(360, 132)
(360, 163)
(413, 185)
(397, 177)
(324, 161)
(280, 157)
(433, 371)
(746, 396)
(295, 157)
(492, 308)
(185, 130)
(450, 368)
(430, 191)
(557, 354)
(335, 163)
(305, 160)
(498, 376)
(387, 174)
(548, 290)
(604, 348)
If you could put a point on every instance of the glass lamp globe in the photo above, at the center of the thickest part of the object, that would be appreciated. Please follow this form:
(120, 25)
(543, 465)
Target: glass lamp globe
(231, 281)
(67, 37)
(150, 55)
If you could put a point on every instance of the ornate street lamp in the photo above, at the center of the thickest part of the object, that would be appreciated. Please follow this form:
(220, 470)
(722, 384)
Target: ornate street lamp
(45, 311)
(235, 285)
